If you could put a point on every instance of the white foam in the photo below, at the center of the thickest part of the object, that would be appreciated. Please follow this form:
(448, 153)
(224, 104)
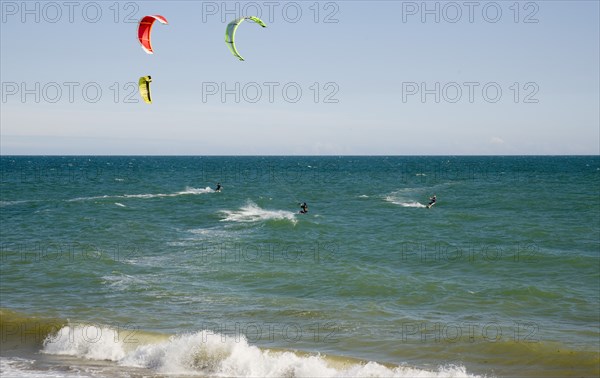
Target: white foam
(143, 195)
(403, 202)
(212, 354)
(10, 203)
(86, 341)
(405, 197)
(411, 204)
(122, 281)
(254, 213)
(188, 190)
(25, 368)
(91, 198)
(207, 234)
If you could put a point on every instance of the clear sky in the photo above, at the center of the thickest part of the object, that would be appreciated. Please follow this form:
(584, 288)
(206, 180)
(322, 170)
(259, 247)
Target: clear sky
(326, 78)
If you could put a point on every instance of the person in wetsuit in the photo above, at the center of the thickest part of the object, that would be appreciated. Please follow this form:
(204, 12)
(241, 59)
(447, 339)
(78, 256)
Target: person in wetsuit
(431, 201)
(304, 208)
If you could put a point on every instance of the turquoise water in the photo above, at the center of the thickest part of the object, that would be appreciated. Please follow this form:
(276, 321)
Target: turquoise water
(499, 278)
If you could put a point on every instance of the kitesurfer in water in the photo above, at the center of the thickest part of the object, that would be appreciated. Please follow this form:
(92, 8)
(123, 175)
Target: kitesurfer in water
(304, 208)
(431, 201)
(219, 187)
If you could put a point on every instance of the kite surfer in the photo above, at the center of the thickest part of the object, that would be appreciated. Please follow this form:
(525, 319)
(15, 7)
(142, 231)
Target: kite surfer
(304, 208)
(431, 201)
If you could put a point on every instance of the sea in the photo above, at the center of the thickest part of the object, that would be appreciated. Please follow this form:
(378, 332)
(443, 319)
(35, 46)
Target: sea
(133, 266)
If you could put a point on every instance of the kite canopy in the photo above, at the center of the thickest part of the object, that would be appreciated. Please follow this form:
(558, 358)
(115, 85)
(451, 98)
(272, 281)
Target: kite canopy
(145, 28)
(230, 32)
(144, 84)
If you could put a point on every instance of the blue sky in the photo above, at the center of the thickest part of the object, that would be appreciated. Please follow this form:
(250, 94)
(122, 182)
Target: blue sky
(360, 78)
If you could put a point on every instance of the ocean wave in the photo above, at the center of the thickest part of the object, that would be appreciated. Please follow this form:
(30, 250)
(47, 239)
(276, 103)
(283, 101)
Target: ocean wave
(12, 322)
(86, 341)
(212, 354)
(254, 213)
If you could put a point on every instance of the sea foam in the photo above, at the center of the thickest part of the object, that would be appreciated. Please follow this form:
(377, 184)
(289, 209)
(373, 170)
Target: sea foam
(213, 354)
(188, 190)
(254, 213)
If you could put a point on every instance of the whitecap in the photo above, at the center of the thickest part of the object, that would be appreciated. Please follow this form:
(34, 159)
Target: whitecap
(219, 355)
